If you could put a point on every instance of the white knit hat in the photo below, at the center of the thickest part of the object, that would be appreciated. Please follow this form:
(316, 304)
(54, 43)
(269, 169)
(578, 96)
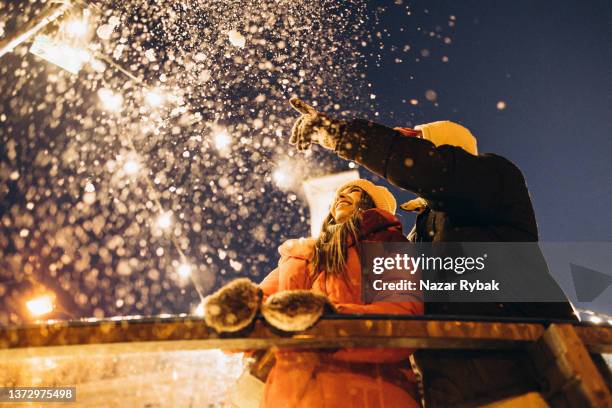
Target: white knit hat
(442, 133)
(449, 133)
(381, 196)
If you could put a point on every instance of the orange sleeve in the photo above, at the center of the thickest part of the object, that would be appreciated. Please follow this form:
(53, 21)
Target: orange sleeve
(269, 285)
(291, 274)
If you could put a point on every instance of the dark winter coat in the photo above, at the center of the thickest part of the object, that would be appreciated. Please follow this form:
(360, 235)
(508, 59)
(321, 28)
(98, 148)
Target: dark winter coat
(469, 199)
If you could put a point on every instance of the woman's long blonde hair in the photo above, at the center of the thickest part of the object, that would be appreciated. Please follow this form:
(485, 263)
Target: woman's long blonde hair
(331, 248)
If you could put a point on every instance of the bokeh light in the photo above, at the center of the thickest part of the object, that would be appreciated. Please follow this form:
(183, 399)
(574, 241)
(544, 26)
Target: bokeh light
(222, 139)
(164, 220)
(155, 98)
(164, 146)
(110, 100)
(40, 305)
(184, 270)
(77, 27)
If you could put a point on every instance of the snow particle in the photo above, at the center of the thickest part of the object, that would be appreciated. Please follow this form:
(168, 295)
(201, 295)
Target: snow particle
(150, 55)
(236, 38)
(105, 31)
(431, 95)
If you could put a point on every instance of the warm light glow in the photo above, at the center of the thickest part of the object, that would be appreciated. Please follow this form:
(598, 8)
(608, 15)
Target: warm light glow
(40, 306)
(155, 98)
(131, 166)
(222, 139)
(110, 100)
(184, 270)
(281, 178)
(199, 311)
(76, 28)
(595, 319)
(63, 55)
(164, 221)
(286, 174)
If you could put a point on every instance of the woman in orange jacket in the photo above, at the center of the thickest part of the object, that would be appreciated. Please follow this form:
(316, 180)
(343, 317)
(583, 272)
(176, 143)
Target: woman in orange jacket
(310, 273)
(330, 266)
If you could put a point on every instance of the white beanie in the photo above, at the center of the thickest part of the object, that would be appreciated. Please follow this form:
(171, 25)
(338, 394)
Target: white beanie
(381, 196)
(449, 133)
(443, 133)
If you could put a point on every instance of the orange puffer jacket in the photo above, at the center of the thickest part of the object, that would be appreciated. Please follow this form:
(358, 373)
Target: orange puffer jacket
(372, 377)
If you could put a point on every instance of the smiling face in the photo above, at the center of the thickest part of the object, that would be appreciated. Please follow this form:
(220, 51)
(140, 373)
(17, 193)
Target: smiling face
(346, 203)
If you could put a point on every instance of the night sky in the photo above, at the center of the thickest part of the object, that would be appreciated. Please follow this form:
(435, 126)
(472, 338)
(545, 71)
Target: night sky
(550, 62)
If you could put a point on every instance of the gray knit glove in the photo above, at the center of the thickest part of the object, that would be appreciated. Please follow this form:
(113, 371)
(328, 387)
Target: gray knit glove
(314, 127)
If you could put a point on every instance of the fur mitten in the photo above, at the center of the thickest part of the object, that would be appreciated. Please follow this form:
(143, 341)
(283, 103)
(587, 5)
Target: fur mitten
(233, 307)
(294, 310)
(314, 127)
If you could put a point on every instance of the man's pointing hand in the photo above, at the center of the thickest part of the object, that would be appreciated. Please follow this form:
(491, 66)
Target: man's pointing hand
(314, 127)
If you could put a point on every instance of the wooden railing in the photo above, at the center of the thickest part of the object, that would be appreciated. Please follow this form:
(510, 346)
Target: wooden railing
(566, 354)
(328, 333)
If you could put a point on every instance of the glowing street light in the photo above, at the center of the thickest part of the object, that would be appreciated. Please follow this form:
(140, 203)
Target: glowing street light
(33, 26)
(281, 178)
(184, 270)
(76, 28)
(40, 305)
(155, 98)
(111, 101)
(596, 319)
(222, 139)
(131, 166)
(63, 55)
(164, 221)
(199, 311)
(286, 174)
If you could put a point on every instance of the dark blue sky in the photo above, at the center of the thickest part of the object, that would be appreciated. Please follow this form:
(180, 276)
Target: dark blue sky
(550, 61)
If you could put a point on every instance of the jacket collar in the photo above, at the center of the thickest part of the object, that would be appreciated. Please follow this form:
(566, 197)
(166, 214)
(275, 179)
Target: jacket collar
(375, 219)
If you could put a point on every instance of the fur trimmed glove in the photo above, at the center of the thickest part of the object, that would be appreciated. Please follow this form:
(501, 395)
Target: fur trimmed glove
(295, 310)
(233, 307)
(314, 127)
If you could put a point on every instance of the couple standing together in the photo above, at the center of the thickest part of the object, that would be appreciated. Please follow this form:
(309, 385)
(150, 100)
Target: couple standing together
(461, 197)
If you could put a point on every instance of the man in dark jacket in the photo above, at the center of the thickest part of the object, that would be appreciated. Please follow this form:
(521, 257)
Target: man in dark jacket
(463, 196)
